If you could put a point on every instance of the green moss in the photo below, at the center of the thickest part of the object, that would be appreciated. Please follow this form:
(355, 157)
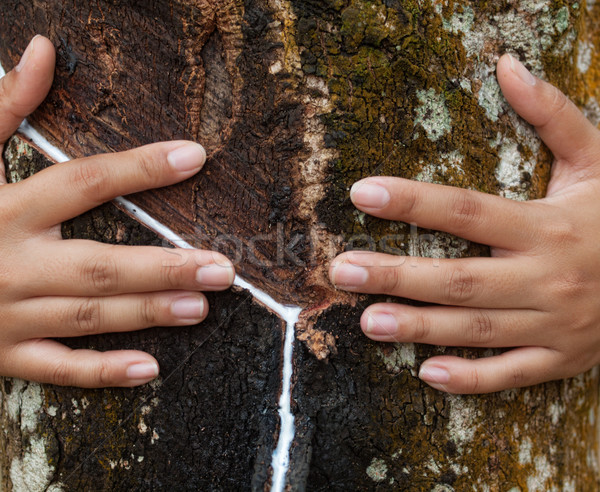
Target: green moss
(363, 23)
(405, 93)
(394, 78)
(386, 91)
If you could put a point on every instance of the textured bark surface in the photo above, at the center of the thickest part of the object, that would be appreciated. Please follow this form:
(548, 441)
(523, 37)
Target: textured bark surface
(208, 423)
(295, 100)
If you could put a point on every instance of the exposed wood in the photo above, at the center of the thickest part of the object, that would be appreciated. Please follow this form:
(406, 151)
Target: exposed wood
(131, 73)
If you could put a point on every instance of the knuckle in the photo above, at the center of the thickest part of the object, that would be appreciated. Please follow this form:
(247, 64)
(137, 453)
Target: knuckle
(172, 275)
(146, 163)
(422, 327)
(102, 273)
(104, 373)
(465, 210)
(580, 321)
(482, 329)
(410, 203)
(147, 315)
(87, 317)
(560, 233)
(59, 373)
(472, 381)
(517, 377)
(91, 181)
(460, 286)
(571, 285)
(391, 281)
(558, 101)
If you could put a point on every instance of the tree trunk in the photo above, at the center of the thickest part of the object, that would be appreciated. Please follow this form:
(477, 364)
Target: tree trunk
(295, 100)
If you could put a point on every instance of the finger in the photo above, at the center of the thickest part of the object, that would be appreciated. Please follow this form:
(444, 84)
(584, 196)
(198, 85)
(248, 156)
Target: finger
(66, 190)
(470, 282)
(73, 317)
(560, 124)
(450, 326)
(86, 268)
(475, 216)
(516, 368)
(24, 88)
(47, 361)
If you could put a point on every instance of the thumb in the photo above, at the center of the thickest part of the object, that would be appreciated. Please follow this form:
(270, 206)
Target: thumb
(25, 87)
(559, 123)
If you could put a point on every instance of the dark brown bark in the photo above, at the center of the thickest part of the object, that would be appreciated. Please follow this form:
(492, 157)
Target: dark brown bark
(208, 424)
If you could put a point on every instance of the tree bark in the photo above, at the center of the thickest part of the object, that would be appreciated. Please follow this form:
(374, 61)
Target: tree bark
(295, 100)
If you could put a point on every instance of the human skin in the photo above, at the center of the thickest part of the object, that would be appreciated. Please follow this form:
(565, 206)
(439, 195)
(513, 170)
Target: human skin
(538, 294)
(50, 287)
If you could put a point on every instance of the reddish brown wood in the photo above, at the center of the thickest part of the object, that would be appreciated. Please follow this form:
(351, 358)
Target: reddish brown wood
(140, 72)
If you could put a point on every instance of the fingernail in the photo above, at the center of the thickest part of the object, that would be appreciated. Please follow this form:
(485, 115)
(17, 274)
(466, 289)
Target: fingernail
(142, 371)
(26, 55)
(381, 324)
(434, 375)
(186, 158)
(521, 71)
(215, 275)
(190, 308)
(369, 195)
(349, 275)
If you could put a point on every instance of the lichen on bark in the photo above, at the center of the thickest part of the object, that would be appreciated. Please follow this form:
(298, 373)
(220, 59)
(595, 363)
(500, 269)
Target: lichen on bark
(414, 94)
(402, 75)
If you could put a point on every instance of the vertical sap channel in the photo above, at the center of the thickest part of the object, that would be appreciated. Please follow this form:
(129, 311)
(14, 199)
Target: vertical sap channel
(281, 455)
(290, 314)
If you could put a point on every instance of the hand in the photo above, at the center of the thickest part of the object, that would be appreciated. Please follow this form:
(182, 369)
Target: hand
(55, 288)
(539, 293)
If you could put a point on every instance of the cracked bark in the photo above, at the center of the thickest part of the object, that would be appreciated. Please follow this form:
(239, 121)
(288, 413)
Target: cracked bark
(295, 100)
